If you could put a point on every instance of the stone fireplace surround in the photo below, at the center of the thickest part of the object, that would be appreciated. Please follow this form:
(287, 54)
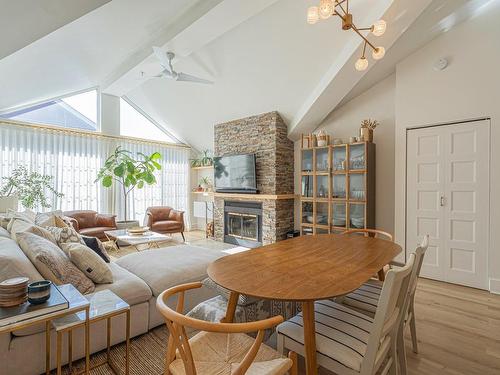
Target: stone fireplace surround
(265, 136)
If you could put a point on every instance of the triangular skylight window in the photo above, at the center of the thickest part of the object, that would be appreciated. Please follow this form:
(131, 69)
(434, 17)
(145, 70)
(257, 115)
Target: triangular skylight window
(76, 111)
(135, 123)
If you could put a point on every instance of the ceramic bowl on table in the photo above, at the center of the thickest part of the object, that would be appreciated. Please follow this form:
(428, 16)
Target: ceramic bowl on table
(137, 231)
(39, 292)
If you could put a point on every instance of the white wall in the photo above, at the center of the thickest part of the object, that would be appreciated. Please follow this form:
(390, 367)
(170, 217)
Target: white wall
(375, 103)
(110, 114)
(469, 88)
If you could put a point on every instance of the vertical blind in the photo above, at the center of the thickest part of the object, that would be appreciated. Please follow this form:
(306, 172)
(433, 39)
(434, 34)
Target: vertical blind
(74, 159)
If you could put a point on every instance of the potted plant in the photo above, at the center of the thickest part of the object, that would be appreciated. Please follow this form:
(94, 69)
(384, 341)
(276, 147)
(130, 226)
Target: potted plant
(129, 173)
(366, 130)
(27, 187)
(205, 183)
(204, 160)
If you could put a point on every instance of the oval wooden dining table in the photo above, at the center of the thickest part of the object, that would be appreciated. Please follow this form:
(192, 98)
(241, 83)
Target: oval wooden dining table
(303, 269)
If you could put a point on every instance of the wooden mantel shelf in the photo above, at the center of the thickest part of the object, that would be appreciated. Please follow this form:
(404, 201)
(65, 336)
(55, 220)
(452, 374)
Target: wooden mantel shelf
(255, 197)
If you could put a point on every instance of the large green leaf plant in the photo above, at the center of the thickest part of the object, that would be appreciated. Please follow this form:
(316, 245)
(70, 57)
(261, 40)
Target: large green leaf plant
(122, 168)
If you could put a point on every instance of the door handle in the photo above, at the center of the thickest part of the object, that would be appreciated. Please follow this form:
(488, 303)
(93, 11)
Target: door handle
(442, 201)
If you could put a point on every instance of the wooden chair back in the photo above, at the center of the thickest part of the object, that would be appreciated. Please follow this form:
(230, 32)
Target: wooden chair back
(419, 260)
(371, 233)
(389, 314)
(178, 340)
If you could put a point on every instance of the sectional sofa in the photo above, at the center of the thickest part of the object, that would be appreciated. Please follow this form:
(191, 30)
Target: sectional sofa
(138, 279)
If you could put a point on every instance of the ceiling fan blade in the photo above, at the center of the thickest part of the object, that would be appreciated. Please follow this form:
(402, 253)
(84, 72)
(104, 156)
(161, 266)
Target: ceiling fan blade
(162, 56)
(189, 78)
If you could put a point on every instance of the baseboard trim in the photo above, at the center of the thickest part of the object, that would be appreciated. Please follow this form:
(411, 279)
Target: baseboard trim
(495, 286)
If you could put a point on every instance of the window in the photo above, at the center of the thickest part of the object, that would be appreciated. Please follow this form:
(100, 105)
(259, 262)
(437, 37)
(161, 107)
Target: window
(77, 111)
(134, 123)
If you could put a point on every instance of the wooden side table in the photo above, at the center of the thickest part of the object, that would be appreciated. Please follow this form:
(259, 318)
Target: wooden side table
(77, 304)
(104, 305)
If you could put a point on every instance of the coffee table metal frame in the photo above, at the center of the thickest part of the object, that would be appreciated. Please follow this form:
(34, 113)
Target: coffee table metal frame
(153, 243)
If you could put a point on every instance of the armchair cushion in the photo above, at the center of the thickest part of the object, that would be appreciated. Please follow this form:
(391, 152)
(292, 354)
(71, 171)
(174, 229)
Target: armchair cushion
(166, 226)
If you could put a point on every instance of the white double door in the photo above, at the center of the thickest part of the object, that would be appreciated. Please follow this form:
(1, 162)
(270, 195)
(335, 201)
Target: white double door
(448, 198)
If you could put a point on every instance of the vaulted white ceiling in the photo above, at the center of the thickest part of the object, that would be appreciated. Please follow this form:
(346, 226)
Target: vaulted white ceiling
(261, 54)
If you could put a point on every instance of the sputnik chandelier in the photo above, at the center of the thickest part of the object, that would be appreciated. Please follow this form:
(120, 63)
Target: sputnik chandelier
(328, 8)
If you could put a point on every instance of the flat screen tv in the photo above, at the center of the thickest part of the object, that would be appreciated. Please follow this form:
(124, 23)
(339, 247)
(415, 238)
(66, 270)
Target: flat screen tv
(235, 174)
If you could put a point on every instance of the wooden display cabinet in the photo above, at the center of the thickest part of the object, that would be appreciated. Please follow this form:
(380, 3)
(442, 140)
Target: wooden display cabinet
(337, 188)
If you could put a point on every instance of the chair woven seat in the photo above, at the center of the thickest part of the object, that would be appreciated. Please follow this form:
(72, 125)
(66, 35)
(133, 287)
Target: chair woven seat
(220, 353)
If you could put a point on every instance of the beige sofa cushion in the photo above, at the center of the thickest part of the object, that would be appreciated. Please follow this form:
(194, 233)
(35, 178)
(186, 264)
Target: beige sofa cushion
(52, 263)
(127, 286)
(4, 233)
(164, 268)
(88, 262)
(47, 219)
(13, 262)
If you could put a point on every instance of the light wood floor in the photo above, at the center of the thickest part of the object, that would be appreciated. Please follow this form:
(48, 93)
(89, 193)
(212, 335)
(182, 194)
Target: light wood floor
(458, 330)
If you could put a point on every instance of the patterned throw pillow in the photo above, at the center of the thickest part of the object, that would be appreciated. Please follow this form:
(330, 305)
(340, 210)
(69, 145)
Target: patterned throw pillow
(88, 262)
(52, 263)
(65, 235)
(60, 222)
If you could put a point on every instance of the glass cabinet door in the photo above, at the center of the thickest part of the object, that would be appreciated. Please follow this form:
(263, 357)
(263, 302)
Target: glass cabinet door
(307, 186)
(321, 186)
(339, 214)
(356, 215)
(321, 213)
(339, 159)
(307, 212)
(322, 160)
(357, 156)
(339, 186)
(357, 187)
(307, 160)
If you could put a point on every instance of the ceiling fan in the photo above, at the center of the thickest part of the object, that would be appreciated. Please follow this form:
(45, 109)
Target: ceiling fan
(168, 71)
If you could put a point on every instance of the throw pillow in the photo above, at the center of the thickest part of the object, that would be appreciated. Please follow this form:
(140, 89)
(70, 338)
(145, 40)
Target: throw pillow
(243, 300)
(65, 235)
(47, 219)
(60, 223)
(21, 226)
(88, 262)
(96, 245)
(18, 226)
(52, 263)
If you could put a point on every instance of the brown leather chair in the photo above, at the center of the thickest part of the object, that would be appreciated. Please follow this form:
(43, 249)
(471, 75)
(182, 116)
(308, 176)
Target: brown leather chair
(162, 219)
(91, 223)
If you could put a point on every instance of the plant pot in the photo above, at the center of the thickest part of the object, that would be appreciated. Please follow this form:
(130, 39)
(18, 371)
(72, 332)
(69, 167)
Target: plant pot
(366, 134)
(125, 224)
(8, 203)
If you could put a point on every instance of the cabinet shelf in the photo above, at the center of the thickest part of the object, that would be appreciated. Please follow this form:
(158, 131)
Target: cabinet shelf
(338, 187)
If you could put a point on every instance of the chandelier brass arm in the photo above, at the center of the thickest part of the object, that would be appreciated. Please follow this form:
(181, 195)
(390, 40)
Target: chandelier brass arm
(328, 8)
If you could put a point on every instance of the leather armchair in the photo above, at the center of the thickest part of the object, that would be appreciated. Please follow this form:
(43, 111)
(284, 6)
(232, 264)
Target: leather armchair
(162, 219)
(91, 223)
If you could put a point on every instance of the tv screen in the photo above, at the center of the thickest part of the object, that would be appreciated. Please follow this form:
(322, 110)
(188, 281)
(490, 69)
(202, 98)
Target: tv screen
(235, 173)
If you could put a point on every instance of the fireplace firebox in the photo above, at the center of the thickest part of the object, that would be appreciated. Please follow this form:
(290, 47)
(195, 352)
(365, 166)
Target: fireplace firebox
(243, 223)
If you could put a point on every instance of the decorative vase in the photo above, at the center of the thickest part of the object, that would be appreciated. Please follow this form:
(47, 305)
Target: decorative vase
(366, 134)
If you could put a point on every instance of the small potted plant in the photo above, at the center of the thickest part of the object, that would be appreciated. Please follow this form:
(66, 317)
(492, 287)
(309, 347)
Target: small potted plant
(205, 183)
(366, 130)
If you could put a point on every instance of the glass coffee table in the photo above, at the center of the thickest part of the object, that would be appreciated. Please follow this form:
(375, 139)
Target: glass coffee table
(121, 237)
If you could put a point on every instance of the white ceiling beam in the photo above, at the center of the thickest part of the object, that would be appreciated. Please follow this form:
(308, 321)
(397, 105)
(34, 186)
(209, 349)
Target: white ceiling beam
(339, 80)
(185, 38)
